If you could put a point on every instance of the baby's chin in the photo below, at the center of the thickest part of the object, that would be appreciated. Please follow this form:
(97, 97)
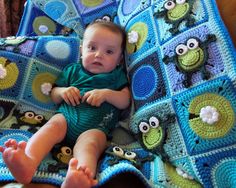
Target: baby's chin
(96, 70)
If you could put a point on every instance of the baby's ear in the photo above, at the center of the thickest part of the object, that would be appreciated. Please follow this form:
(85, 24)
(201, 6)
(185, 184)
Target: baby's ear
(122, 60)
(80, 50)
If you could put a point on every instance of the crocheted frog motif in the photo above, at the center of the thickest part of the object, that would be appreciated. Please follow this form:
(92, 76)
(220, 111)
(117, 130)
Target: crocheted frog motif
(62, 154)
(119, 154)
(175, 12)
(28, 120)
(191, 57)
(13, 42)
(153, 134)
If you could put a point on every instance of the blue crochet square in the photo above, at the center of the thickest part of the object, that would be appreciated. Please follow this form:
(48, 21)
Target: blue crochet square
(144, 25)
(35, 22)
(16, 69)
(201, 137)
(142, 161)
(58, 50)
(97, 10)
(85, 7)
(39, 74)
(128, 9)
(186, 163)
(150, 71)
(217, 169)
(174, 144)
(189, 18)
(59, 10)
(214, 64)
(22, 45)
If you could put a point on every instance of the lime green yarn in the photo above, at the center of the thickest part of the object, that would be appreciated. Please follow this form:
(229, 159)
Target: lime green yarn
(12, 73)
(219, 128)
(178, 11)
(45, 22)
(152, 138)
(15, 41)
(142, 30)
(178, 180)
(36, 86)
(91, 3)
(193, 59)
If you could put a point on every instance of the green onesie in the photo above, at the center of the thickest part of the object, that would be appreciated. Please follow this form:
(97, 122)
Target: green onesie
(84, 116)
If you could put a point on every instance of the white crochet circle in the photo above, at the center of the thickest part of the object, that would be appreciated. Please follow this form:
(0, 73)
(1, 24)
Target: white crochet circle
(58, 49)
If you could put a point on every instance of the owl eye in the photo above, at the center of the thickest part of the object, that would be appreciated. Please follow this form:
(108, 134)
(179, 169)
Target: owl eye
(169, 5)
(181, 49)
(130, 155)
(66, 150)
(192, 44)
(39, 117)
(144, 127)
(118, 151)
(153, 122)
(180, 1)
(29, 115)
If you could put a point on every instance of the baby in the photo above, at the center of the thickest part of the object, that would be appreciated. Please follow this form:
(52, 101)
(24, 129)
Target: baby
(91, 94)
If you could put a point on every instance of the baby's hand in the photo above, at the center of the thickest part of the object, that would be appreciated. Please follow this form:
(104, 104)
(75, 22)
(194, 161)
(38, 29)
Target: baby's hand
(95, 97)
(71, 95)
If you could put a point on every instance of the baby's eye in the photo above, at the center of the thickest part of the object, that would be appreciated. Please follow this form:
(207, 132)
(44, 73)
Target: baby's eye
(110, 52)
(92, 48)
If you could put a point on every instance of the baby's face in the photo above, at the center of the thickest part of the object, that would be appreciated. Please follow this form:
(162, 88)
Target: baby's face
(101, 50)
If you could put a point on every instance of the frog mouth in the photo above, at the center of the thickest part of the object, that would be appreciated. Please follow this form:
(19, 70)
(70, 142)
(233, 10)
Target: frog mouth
(152, 143)
(176, 14)
(193, 62)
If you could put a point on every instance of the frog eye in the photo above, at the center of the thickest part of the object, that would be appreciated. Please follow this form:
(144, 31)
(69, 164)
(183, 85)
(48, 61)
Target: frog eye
(153, 122)
(106, 18)
(144, 127)
(39, 117)
(192, 44)
(29, 115)
(169, 5)
(130, 155)
(180, 1)
(99, 20)
(118, 151)
(181, 49)
(66, 150)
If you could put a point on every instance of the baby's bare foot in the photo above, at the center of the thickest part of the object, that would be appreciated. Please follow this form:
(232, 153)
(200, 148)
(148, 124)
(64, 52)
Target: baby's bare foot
(20, 165)
(81, 177)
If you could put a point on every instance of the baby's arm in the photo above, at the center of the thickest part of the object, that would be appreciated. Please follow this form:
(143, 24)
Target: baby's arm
(120, 99)
(71, 95)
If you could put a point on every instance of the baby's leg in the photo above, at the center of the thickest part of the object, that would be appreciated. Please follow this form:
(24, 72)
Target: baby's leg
(23, 158)
(87, 151)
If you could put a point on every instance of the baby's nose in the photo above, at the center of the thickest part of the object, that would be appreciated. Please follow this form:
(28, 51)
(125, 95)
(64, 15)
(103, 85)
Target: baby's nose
(98, 54)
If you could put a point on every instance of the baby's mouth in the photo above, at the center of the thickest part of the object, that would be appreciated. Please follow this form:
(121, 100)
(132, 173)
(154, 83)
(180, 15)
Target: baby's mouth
(97, 63)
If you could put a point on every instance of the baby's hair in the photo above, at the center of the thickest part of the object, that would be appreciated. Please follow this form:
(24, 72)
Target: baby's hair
(113, 28)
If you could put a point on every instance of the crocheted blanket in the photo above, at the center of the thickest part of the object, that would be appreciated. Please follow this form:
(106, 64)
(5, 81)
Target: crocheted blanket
(181, 65)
